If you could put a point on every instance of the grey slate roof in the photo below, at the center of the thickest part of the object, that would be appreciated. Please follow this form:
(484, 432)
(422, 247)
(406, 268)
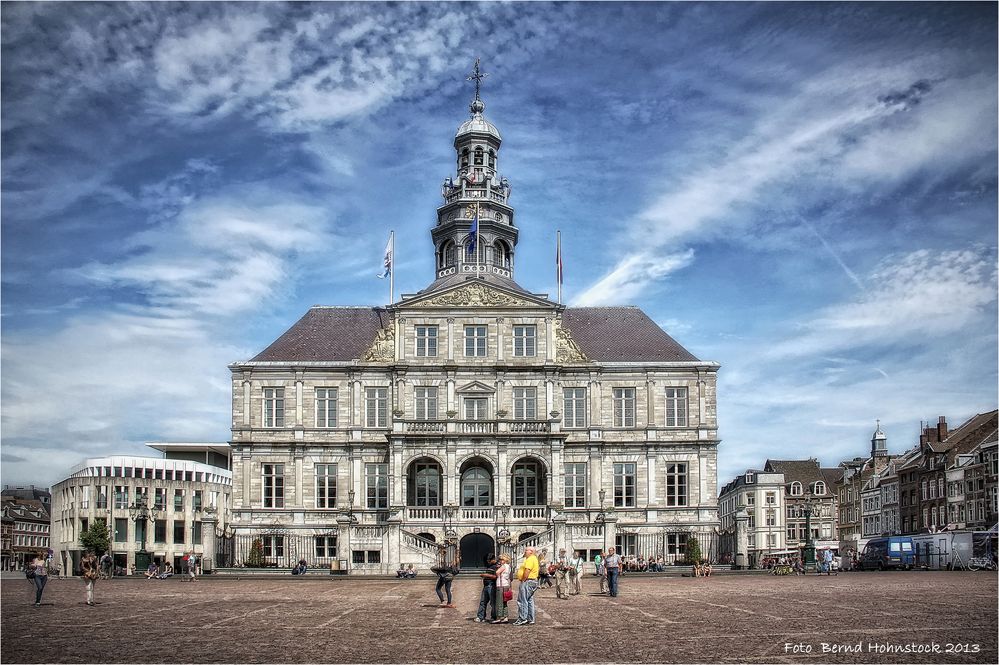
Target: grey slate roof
(604, 334)
(621, 334)
(327, 333)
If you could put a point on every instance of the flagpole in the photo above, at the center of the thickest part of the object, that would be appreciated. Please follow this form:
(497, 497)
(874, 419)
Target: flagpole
(392, 268)
(558, 263)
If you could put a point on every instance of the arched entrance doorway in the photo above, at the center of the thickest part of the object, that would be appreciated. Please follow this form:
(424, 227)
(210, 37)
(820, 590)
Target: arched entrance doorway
(475, 547)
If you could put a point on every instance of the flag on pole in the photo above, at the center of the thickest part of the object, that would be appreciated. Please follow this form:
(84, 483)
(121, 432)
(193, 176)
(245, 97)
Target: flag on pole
(388, 259)
(474, 232)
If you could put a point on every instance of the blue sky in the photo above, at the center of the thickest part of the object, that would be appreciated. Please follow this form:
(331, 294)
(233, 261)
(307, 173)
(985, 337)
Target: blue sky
(805, 193)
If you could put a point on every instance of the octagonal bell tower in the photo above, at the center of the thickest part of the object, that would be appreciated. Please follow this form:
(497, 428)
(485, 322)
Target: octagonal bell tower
(477, 192)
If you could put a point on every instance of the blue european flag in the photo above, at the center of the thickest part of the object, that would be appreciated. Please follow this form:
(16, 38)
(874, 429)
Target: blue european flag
(474, 233)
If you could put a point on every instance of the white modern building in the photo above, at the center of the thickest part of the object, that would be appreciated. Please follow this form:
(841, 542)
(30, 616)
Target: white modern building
(186, 492)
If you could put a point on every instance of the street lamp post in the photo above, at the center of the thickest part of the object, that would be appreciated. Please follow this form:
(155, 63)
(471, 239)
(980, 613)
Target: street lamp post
(140, 511)
(602, 519)
(809, 506)
(351, 521)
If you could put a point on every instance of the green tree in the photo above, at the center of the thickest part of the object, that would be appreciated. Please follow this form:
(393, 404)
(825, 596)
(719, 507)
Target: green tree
(96, 537)
(693, 549)
(256, 557)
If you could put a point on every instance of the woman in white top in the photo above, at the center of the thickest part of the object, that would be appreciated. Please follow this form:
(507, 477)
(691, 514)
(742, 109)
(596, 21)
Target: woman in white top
(503, 586)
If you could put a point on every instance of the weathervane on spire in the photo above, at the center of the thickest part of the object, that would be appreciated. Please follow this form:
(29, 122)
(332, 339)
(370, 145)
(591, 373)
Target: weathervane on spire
(476, 76)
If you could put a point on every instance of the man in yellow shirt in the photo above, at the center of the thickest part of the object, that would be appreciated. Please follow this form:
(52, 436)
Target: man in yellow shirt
(528, 576)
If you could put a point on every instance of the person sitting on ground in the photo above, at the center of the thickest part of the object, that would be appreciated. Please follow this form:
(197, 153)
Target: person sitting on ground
(152, 571)
(167, 572)
(697, 569)
(300, 568)
(706, 569)
(410, 572)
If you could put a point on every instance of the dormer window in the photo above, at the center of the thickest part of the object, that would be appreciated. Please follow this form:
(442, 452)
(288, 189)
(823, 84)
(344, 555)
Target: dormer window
(819, 488)
(796, 488)
(749, 478)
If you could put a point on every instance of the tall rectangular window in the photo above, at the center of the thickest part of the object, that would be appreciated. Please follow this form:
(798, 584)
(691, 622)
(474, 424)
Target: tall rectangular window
(376, 407)
(195, 533)
(676, 484)
(102, 498)
(426, 402)
(273, 485)
(326, 486)
(676, 407)
(178, 532)
(426, 341)
(198, 500)
(273, 407)
(524, 340)
(624, 407)
(178, 500)
(159, 531)
(574, 407)
(273, 546)
(376, 483)
(325, 547)
(120, 497)
(475, 341)
(525, 403)
(575, 485)
(120, 530)
(326, 407)
(159, 498)
(476, 408)
(771, 517)
(624, 484)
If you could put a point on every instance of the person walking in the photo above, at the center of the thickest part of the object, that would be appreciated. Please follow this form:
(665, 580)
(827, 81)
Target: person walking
(561, 574)
(827, 561)
(601, 572)
(91, 571)
(575, 573)
(192, 566)
(613, 566)
(528, 576)
(488, 595)
(446, 568)
(504, 593)
(106, 562)
(39, 575)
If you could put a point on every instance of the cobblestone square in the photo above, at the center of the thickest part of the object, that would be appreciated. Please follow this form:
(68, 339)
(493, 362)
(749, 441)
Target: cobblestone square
(727, 618)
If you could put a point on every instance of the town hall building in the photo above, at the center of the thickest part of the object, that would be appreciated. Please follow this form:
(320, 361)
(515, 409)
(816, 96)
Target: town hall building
(473, 411)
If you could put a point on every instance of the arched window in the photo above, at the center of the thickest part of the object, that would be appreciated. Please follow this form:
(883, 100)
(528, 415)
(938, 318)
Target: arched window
(464, 158)
(476, 487)
(819, 488)
(469, 256)
(501, 254)
(424, 483)
(446, 255)
(492, 159)
(528, 484)
(478, 157)
(796, 488)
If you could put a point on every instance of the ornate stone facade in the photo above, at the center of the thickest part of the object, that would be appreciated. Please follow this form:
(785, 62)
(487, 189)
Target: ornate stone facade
(472, 410)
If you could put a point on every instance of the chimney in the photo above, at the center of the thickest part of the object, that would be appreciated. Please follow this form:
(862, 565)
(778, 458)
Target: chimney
(941, 428)
(923, 439)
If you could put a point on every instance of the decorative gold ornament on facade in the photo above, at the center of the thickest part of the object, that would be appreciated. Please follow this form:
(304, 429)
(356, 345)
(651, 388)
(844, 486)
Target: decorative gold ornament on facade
(476, 295)
(566, 349)
(383, 348)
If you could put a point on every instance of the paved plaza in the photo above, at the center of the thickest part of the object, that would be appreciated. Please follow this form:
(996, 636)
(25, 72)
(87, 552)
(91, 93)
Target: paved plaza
(733, 618)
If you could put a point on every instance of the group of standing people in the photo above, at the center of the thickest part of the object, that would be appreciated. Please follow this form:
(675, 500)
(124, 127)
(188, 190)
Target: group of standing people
(498, 577)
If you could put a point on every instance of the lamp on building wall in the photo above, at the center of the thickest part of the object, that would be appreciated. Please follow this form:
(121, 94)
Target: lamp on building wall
(141, 512)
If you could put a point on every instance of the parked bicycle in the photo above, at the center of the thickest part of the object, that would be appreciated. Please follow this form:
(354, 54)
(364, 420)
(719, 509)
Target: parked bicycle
(981, 563)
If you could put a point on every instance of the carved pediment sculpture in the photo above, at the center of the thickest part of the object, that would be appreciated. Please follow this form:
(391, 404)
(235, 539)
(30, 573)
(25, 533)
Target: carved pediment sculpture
(383, 348)
(566, 349)
(476, 295)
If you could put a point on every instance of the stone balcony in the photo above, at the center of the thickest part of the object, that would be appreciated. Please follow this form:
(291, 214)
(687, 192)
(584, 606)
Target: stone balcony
(454, 427)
